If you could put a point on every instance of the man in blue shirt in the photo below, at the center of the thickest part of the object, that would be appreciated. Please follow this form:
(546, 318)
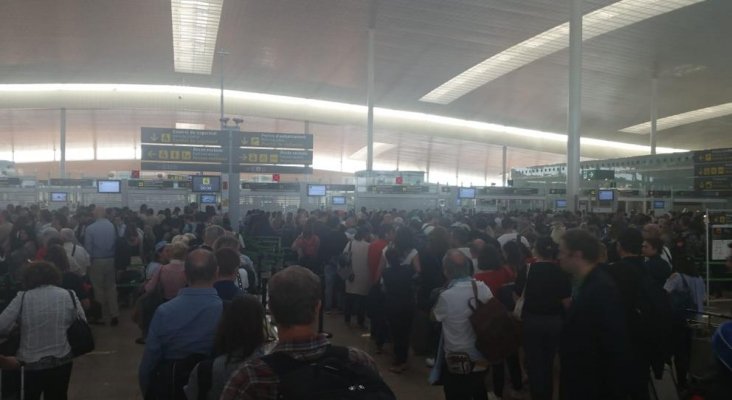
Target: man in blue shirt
(99, 242)
(186, 325)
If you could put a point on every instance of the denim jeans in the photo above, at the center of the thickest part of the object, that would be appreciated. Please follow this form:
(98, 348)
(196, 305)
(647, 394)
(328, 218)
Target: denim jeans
(333, 298)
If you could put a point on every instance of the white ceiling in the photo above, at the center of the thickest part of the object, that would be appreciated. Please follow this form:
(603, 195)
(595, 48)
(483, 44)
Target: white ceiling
(317, 49)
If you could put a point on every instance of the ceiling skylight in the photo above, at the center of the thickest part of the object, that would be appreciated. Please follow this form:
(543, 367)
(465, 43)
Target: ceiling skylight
(686, 118)
(596, 23)
(195, 27)
(379, 148)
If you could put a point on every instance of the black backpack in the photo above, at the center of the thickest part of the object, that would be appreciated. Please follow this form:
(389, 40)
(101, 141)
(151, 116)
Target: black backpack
(331, 377)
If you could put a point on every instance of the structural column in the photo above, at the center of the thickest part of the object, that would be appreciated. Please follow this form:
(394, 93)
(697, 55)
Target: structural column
(62, 146)
(504, 165)
(370, 92)
(654, 113)
(575, 104)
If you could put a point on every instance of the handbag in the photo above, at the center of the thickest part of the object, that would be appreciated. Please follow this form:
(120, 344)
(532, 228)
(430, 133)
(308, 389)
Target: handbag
(79, 333)
(11, 344)
(519, 306)
(459, 363)
(345, 264)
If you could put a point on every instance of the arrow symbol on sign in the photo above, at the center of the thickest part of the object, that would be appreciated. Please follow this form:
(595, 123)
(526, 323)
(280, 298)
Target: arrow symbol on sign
(155, 137)
(151, 154)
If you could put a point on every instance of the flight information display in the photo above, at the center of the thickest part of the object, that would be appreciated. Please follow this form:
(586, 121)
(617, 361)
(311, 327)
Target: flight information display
(201, 183)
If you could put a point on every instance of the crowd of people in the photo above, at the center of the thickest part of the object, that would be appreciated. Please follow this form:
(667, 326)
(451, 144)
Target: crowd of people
(609, 295)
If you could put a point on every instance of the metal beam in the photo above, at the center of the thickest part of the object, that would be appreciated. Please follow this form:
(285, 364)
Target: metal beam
(654, 113)
(370, 92)
(503, 165)
(575, 104)
(62, 145)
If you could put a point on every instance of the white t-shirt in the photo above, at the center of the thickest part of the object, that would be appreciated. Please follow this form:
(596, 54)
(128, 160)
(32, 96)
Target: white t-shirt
(453, 311)
(507, 237)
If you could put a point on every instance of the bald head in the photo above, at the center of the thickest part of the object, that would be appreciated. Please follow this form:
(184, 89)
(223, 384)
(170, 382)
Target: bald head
(100, 212)
(456, 265)
(651, 231)
(201, 268)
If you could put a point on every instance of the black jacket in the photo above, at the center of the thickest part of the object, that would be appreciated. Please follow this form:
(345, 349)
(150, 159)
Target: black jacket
(593, 346)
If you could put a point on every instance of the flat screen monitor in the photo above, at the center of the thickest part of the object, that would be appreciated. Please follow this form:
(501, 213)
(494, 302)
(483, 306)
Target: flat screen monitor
(605, 195)
(466, 193)
(338, 200)
(560, 203)
(109, 187)
(208, 199)
(316, 190)
(202, 183)
(60, 197)
(659, 204)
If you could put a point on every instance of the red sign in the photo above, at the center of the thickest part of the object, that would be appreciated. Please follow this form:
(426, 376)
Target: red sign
(275, 177)
(399, 180)
(135, 174)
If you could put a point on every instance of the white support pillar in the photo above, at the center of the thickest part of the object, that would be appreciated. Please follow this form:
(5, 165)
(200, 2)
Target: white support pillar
(654, 113)
(62, 146)
(504, 165)
(370, 92)
(575, 104)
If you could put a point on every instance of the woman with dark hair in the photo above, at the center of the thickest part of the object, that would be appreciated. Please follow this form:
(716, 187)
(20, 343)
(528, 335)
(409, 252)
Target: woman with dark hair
(399, 300)
(307, 245)
(686, 290)
(44, 312)
(656, 267)
(546, 291)
(240, 337)
(56, 255)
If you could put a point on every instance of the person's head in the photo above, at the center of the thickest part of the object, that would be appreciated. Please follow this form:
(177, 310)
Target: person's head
(56, 255)
(438, 241)
(404, 240)
(362, 233)
(508, 224)
(490, 258)
(579, 251)
(241, 329)
(212, 233)
(294, 297)
(460, 237)
(226, 241)
(100, 212)
(545, 248)
(455, 265)
(201, 269)
(685, 264)
(515, 253)
(651, 231)
(177, 251)
(652, 246)
(630, 243)
(476, 246)
(40, 273)
(228, 261)
(386, 232)
(67, 235)
(48, 234)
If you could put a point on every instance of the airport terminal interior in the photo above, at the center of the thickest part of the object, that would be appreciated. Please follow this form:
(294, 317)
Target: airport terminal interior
(366, 199)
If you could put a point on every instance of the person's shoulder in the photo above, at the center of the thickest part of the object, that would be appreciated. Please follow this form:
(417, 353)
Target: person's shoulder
(361, 358)
(251, 373)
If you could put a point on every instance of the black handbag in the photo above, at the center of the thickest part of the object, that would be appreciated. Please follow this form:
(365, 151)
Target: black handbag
(79, 333)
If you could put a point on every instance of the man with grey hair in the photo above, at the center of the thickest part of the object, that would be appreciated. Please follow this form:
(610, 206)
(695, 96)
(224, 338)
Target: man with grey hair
(77, 255)
(210, 235)
(453, 310)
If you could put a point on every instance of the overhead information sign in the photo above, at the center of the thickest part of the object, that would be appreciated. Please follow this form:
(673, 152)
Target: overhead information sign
(298, 157)
(276, 140)
(713, 156)
(184, 153)
(183, 136)
(176, 166)
(713, 183)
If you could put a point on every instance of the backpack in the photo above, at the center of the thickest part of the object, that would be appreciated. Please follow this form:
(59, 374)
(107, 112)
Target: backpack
(681, 301)
(496, 332)
(331, 377)
(170, 376)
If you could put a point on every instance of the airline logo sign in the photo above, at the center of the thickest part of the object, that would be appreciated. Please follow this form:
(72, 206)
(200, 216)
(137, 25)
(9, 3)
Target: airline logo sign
(193, 137)
(276, 140)
(187, 154)
(295, 157)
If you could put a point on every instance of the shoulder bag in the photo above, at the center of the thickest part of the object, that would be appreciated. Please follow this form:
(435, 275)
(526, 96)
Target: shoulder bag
(79, 333)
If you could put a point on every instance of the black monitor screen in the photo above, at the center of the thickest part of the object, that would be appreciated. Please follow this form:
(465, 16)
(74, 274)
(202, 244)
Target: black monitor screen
(466, 193)
(561, 203)
(200, 183)
(109, 187)
(316, 190)
(59, 196)
(208, 199)
(659, 204)
(606, 195)
(338, 200)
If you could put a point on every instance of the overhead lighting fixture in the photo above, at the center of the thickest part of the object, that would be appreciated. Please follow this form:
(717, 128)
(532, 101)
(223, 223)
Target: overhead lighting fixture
(195, 27)
(596, 23)
(379, 148)
(686, 118)
(186, 125)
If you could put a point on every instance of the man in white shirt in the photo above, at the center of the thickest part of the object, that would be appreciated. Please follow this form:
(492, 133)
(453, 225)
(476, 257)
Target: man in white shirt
(453, 311)
(510, 234)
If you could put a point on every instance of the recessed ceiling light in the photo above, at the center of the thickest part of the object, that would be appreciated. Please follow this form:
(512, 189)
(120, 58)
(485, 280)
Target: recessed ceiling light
(195, 28)
(686, 118)
(596, 23)
(186, 125)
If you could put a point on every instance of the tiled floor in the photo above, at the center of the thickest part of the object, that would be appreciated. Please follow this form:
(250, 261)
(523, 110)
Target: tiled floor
(111, 371)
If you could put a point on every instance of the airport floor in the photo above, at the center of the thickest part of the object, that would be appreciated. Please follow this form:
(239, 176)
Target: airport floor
(110, 372)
